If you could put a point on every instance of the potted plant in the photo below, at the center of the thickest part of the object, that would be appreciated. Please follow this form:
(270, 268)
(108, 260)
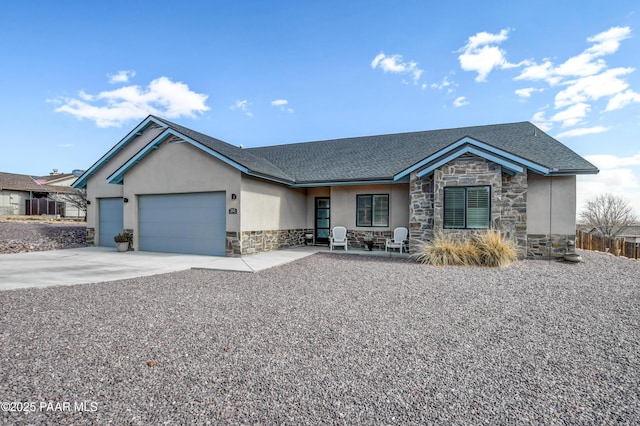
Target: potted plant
(123, 241)
(368, 241)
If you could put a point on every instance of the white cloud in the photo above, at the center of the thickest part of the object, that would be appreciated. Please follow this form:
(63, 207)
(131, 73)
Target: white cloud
(85, 96)
(242, 105)
(607, 161)
(580, 65)
(584, 64)
(582, 131)
(618, 176)
(535, 72)
(445, 84)
(621, 100)
(586, 79)
(460, 101)
(282, 104)
(540, 121)
(619, 182)
(481, 54)
(594, 87)
(161, 97)
(526, 92)
(121, 76)
(572, 115)
(394, 64)
(608, 42)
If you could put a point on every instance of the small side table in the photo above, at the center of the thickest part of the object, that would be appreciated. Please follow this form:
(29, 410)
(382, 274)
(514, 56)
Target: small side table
(309, 238)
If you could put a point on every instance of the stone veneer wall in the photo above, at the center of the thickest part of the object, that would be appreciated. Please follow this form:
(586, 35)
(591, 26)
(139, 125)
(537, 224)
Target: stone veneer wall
(357, 238)
(259, 241)
(91, 236)
(508, 199)
(513, 210)
(233, 244)
(541, 246)
(253, 241)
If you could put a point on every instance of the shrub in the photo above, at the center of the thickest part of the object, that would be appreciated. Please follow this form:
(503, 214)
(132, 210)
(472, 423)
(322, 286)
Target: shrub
(444, 250)
(495, 250)
(486, 249)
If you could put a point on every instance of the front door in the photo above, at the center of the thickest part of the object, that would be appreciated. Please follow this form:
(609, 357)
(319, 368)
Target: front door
(323, 219)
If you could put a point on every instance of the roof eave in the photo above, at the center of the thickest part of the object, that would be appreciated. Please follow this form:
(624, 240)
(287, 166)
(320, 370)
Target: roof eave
(269, 177)
(373, 181)
(574, 172)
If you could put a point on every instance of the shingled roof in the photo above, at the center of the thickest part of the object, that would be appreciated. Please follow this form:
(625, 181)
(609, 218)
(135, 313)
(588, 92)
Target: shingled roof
(16, 182)
(377, 158)
(246, 158)
(384, 156)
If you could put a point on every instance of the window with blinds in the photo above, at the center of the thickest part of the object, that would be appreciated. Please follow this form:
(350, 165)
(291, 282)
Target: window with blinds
(372, 210)
(467, 207)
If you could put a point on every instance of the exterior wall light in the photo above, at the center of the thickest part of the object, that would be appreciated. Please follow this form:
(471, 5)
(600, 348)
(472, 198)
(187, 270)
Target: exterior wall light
(234, 196)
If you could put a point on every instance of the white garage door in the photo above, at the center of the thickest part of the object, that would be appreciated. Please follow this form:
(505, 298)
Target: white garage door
(110, 220)
(183, 223)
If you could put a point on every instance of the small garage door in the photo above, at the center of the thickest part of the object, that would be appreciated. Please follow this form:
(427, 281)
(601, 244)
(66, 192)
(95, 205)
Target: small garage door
(183, 223)
(110, 217)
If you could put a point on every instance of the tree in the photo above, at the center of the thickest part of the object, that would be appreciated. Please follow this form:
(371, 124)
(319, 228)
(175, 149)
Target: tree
(76, 198)
(609, 213)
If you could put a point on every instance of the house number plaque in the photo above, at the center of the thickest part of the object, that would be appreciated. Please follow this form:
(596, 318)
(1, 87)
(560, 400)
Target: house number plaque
(233, 210)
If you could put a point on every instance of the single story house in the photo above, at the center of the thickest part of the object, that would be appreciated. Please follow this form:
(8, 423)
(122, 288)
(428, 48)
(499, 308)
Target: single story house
(57, 178)
(35, 195)
(630, 234)
(178, 190)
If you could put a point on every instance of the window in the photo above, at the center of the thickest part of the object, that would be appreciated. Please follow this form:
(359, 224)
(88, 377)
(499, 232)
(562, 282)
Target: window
(372, 210)
(467, 207)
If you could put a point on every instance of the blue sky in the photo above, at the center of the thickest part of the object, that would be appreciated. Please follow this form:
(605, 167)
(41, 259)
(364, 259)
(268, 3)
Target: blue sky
(77, 76)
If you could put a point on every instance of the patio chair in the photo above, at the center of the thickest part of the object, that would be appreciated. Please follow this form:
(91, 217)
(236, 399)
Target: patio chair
(399, 237)
(338, 238)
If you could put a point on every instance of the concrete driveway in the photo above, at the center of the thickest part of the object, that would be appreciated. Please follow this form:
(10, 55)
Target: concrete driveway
(97, 264)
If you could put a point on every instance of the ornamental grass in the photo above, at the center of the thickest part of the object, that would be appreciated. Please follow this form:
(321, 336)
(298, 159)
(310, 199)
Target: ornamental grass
(495, 250)
(485, 249)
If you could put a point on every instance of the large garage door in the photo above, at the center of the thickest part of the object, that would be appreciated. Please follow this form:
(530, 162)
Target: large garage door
(110, 217)
(183, 223)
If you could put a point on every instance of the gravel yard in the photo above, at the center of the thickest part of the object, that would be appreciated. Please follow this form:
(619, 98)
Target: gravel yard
(331, 339)
(20, 237)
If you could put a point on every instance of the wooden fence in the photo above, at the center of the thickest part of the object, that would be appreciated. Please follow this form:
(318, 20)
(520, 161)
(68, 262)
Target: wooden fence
(42, 206)
(615, 246)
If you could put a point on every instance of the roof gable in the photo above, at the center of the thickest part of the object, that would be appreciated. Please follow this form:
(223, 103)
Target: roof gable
(81, 183)
(238, 158)
(513, 163)
(468, 146)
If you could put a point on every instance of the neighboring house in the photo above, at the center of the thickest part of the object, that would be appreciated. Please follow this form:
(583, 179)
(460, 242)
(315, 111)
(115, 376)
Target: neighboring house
(178, 190)
(57, 178)
(630, 234)
(72, 202)
(31, 195)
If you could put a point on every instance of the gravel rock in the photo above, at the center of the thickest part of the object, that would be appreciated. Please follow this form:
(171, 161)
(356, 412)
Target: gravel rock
(18, 237)
(332, 339)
